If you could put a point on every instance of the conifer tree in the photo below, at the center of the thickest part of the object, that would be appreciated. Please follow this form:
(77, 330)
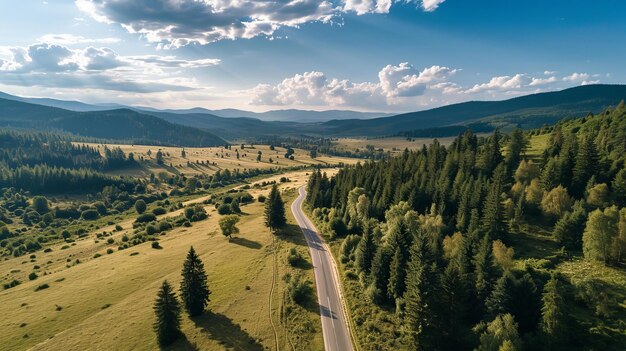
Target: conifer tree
(493, 222)
(568, 230)
(501, 299)
(379, 274)
(585, 166)
(167, 311)
(421, 300)
(275, 210)
(194, 289)
(397, 270)
(553, 315)
(365, 250)
(484, 272)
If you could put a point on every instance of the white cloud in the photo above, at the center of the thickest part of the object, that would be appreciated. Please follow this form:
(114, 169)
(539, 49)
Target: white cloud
(70, 39)
(502, 83)
(362, 7)
(49, 65)
(577, 77)
(396, 85)
(542, 81)
(431, 5)
(176, 23)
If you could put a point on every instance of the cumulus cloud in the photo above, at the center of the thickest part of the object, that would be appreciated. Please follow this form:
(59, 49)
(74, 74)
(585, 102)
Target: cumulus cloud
(46, 64)
(395, 84)
(577, 77)
(502, 83)
(431, 5)
(401, 86)
(175, 23)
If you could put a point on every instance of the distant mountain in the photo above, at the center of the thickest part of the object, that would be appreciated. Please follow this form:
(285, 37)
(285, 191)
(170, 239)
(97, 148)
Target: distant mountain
(120, 124)
(528, 111)
(67, 105)
(291, 115)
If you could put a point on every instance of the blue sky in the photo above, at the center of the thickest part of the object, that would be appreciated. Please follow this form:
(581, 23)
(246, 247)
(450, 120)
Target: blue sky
(376, 55)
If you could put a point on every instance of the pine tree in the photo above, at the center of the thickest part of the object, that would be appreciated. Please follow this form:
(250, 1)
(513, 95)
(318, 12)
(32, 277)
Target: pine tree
(484, 272)
(493, 222)
(553, 316)
(379, 274)
(568, 230)
(421, 299)
(516, 147)
(365, 250)
(501, 299)
(397, 272)
(167, 311)
(585, 166)
(275, 210)
(194, 288)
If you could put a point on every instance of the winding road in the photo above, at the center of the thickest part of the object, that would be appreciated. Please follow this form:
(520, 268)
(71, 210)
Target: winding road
(334, 325)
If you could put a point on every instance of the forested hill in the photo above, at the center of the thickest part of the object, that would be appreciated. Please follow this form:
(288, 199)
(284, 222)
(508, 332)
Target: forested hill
(122, 124)
(472, 247)
(530, 111)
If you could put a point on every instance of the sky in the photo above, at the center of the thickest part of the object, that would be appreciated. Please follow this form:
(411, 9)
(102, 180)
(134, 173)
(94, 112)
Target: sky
(365, 55)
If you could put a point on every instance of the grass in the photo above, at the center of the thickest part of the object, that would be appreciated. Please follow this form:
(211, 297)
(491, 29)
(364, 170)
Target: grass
(218, 159)
(240, 274)
(395, 145)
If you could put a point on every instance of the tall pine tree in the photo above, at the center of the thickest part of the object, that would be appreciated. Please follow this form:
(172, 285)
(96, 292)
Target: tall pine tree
(194, 287)
(167, 311)
(275, 210)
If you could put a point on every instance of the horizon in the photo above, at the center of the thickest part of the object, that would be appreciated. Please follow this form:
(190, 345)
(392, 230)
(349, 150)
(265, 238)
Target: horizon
(426, 54)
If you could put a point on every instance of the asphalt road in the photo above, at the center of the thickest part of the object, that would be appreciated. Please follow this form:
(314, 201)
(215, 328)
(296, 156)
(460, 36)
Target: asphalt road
(334, 325)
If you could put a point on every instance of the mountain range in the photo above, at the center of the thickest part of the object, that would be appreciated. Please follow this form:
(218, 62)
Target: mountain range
(201, 127)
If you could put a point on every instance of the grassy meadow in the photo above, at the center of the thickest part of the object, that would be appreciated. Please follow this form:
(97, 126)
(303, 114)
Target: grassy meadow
(106, 302)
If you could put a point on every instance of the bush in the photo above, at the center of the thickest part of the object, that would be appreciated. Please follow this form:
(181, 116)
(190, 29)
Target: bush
(300, 290)
(159, 211)
(32, 276)
(13, 283)
(151, 229)
(155, 245)
(119, 228)
(145, 218)
(42, 287)
(140, 206)
(109, 251)
(295, 258)
(90, 215)
(261, 198)
(224, 209)
(110, 241)
(97, 255)
(164, 226)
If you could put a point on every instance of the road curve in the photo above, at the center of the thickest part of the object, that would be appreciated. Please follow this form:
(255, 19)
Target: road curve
(334, 324)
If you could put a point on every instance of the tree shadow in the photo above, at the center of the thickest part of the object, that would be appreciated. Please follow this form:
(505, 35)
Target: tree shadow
(292, 233)
(182, 344)
(251, 244)
(228, 334)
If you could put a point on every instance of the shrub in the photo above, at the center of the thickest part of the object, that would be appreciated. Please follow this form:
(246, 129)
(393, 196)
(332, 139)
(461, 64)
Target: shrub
(261, 198)
(109, 251)
(145, 218)
(224, 209)
(42, 287)
(140, 206)
(90, 215)
(32, 276)
(164, 226)
(159, 211)
(97, 255)
(155, 245)
(119, 228)
(300, 290)
(11, 284)
(110, 241)
(295, 258)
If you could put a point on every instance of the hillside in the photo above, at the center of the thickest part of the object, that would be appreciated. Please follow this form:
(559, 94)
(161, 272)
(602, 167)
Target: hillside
(122, 124)
(446, 247)
(530, 111)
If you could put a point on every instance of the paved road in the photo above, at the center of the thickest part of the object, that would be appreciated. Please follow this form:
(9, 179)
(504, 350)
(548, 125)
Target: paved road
(334, 326)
